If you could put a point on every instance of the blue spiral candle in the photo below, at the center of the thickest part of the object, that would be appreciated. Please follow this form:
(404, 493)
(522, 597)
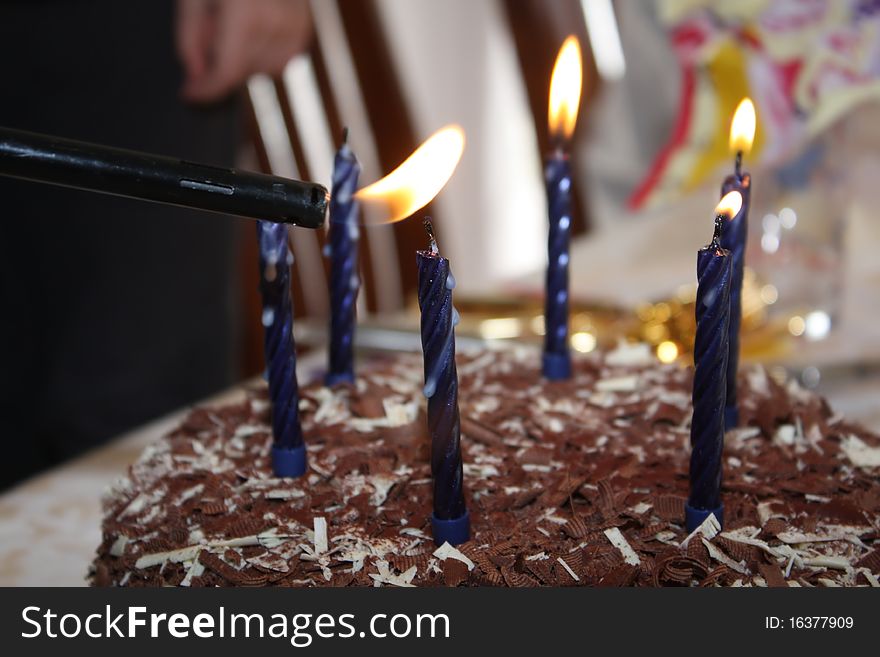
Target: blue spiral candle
(344, 278)
(562, 111)
(557, 358)
(714, 273)
(288, 450)
(450, 520)
(734, 238)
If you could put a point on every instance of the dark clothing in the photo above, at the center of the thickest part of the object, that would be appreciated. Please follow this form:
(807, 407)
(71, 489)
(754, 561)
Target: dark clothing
(112, 311)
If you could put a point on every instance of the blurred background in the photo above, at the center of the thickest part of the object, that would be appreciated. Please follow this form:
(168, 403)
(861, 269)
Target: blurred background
(115, 312)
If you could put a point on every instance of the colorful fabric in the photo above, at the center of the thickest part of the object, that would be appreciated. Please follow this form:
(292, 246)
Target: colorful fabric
(804, 63)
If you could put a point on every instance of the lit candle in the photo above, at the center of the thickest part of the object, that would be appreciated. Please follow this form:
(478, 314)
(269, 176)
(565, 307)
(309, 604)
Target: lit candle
(733, 238)
(565, 93)
(398, 195)
(343, 252)
(714, 273)
(288, 450)
(450, 520)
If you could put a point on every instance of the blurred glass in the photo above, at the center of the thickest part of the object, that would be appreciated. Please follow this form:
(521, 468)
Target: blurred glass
(796, 233)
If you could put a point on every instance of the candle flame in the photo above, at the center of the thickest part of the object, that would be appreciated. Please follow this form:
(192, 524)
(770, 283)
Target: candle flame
(742, 127)
(729, 205)
(413, 184)
(565, 89)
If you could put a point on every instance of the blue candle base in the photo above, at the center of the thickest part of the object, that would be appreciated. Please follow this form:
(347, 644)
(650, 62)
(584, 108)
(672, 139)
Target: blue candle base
(454, 532)
(556, 366)
(334, 378)
(731, 417)
(695, 517)
(289, 461)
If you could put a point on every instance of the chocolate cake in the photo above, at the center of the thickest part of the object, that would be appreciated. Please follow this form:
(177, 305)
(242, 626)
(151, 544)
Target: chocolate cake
(581, 482)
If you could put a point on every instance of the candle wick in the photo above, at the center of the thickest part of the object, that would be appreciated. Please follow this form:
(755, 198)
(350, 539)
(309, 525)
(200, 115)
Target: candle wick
(719, 227)
(429, 228)
(345, 135)
(737, 167)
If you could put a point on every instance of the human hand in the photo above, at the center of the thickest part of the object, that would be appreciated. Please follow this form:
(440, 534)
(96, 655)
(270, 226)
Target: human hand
(222, 43)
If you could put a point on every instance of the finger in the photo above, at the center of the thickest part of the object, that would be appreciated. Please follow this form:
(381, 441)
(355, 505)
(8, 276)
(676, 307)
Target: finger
(287, 30)
(230, 65)
(192, 29)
